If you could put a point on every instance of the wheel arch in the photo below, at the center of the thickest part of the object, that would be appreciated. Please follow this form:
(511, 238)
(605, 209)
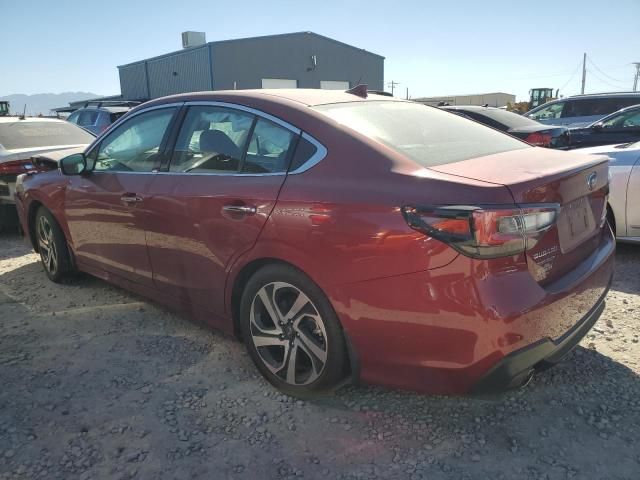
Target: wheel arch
(34, 206)
(239, 283)
(611, 215)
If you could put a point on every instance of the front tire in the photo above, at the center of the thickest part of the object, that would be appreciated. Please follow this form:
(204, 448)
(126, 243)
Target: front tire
(291, 331)
(52, 246)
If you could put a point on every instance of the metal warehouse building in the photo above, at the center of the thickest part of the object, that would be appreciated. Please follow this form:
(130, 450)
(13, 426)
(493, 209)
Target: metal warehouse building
(291, 60)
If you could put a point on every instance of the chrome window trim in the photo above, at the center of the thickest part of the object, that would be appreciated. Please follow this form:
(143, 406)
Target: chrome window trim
(125, 118)
(194, 174)
(321, 152)
(242, 108)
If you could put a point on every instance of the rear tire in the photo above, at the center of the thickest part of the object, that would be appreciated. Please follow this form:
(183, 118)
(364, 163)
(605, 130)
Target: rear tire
(291, 332)
(52, 246)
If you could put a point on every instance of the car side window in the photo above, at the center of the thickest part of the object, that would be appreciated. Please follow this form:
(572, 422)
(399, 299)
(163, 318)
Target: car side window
(134, 145)
(73, 118)
(269, 148)
(555, 110)
(87, 118)
(625, 120)
(211, 140)
(304, 151)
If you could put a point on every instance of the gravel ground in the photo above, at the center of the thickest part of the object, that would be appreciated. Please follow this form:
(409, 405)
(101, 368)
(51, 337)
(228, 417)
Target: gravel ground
(98, 383)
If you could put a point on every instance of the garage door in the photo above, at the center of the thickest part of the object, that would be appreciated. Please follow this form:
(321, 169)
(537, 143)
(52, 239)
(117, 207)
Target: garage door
(279, 83)
(334, 85)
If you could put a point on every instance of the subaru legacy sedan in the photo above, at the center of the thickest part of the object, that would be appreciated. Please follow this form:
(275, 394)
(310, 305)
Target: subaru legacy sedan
(339, 235)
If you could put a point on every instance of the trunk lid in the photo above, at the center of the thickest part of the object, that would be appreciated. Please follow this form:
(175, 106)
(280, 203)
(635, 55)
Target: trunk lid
(578, 183)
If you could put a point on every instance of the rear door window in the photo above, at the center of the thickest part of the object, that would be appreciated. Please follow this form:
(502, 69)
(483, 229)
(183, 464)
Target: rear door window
(211, 140)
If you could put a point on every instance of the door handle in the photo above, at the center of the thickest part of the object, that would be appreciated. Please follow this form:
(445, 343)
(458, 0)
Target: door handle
(242, 209)
(130, 198)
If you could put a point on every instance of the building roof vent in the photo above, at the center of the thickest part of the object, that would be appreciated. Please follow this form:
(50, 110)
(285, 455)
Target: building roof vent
(193, 39)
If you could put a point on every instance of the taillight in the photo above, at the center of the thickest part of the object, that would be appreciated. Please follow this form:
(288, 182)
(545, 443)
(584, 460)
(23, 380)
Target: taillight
(16, 167)
(539, 139)
(484, 232)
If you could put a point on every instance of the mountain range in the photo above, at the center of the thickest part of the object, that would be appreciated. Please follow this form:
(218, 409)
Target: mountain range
(44, 102)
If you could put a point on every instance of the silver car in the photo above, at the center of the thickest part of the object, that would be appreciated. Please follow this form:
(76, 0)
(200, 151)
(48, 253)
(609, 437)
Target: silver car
(582, 110)
(624, 198)
(20, 140)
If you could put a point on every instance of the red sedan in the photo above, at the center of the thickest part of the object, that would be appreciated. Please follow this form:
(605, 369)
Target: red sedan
(339, 234)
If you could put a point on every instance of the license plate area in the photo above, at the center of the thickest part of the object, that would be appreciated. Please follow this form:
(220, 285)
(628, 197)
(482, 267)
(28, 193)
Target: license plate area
(576, 223)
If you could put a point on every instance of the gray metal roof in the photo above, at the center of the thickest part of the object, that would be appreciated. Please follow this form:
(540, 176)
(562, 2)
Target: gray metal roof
(185, 50)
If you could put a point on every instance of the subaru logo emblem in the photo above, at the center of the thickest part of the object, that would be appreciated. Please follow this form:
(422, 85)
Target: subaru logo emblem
(591, 180)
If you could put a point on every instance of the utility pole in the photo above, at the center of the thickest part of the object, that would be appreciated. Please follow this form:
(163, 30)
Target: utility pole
(584, 71)
(635, 81)
(393, 85)
(408, 92)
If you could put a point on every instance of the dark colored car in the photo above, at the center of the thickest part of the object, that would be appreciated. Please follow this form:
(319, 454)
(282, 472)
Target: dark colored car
(622, 126)
(339, 234)
(532, 132)
(96, 116)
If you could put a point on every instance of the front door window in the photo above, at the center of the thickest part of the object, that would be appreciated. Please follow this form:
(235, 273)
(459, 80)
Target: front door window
(134, 145)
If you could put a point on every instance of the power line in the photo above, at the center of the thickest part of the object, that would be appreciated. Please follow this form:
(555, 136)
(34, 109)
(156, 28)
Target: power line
(603, 73)
(605, 81)
(571, 77)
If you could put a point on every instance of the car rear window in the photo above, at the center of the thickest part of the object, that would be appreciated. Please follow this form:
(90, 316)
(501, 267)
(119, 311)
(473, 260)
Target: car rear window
(425, 134)
(28, 134)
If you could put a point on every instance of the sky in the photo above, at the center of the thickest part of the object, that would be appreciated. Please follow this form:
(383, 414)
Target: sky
(431, 47)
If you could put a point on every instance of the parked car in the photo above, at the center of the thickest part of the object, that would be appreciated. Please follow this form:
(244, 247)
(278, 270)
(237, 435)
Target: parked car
(622, 126)
(532, 132)
(339, 233)
(582, 110)
(20, 139)
(98, 116)
(624, 199)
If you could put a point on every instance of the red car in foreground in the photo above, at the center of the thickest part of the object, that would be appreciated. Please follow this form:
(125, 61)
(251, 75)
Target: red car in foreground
(339, 234)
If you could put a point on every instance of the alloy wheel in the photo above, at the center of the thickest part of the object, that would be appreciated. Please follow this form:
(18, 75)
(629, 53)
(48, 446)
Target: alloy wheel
(288, 333)
(47, 246)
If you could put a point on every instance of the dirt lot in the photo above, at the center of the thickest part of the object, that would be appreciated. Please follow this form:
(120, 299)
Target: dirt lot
(97, 383)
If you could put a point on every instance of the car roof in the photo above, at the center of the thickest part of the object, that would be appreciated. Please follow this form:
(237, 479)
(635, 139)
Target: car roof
(304, 96)
(105, 109)
(472, 108)
(604, 95)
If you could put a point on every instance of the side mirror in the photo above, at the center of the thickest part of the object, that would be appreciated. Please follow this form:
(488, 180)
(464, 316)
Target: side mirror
(74, 164)
(597, 126)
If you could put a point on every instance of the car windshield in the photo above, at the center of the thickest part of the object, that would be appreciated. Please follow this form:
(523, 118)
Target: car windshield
(30, 134)
(508, 119)
(425, 134)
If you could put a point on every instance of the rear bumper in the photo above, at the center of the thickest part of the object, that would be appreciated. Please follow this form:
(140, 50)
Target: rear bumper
(445, 330)
(516, 368)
